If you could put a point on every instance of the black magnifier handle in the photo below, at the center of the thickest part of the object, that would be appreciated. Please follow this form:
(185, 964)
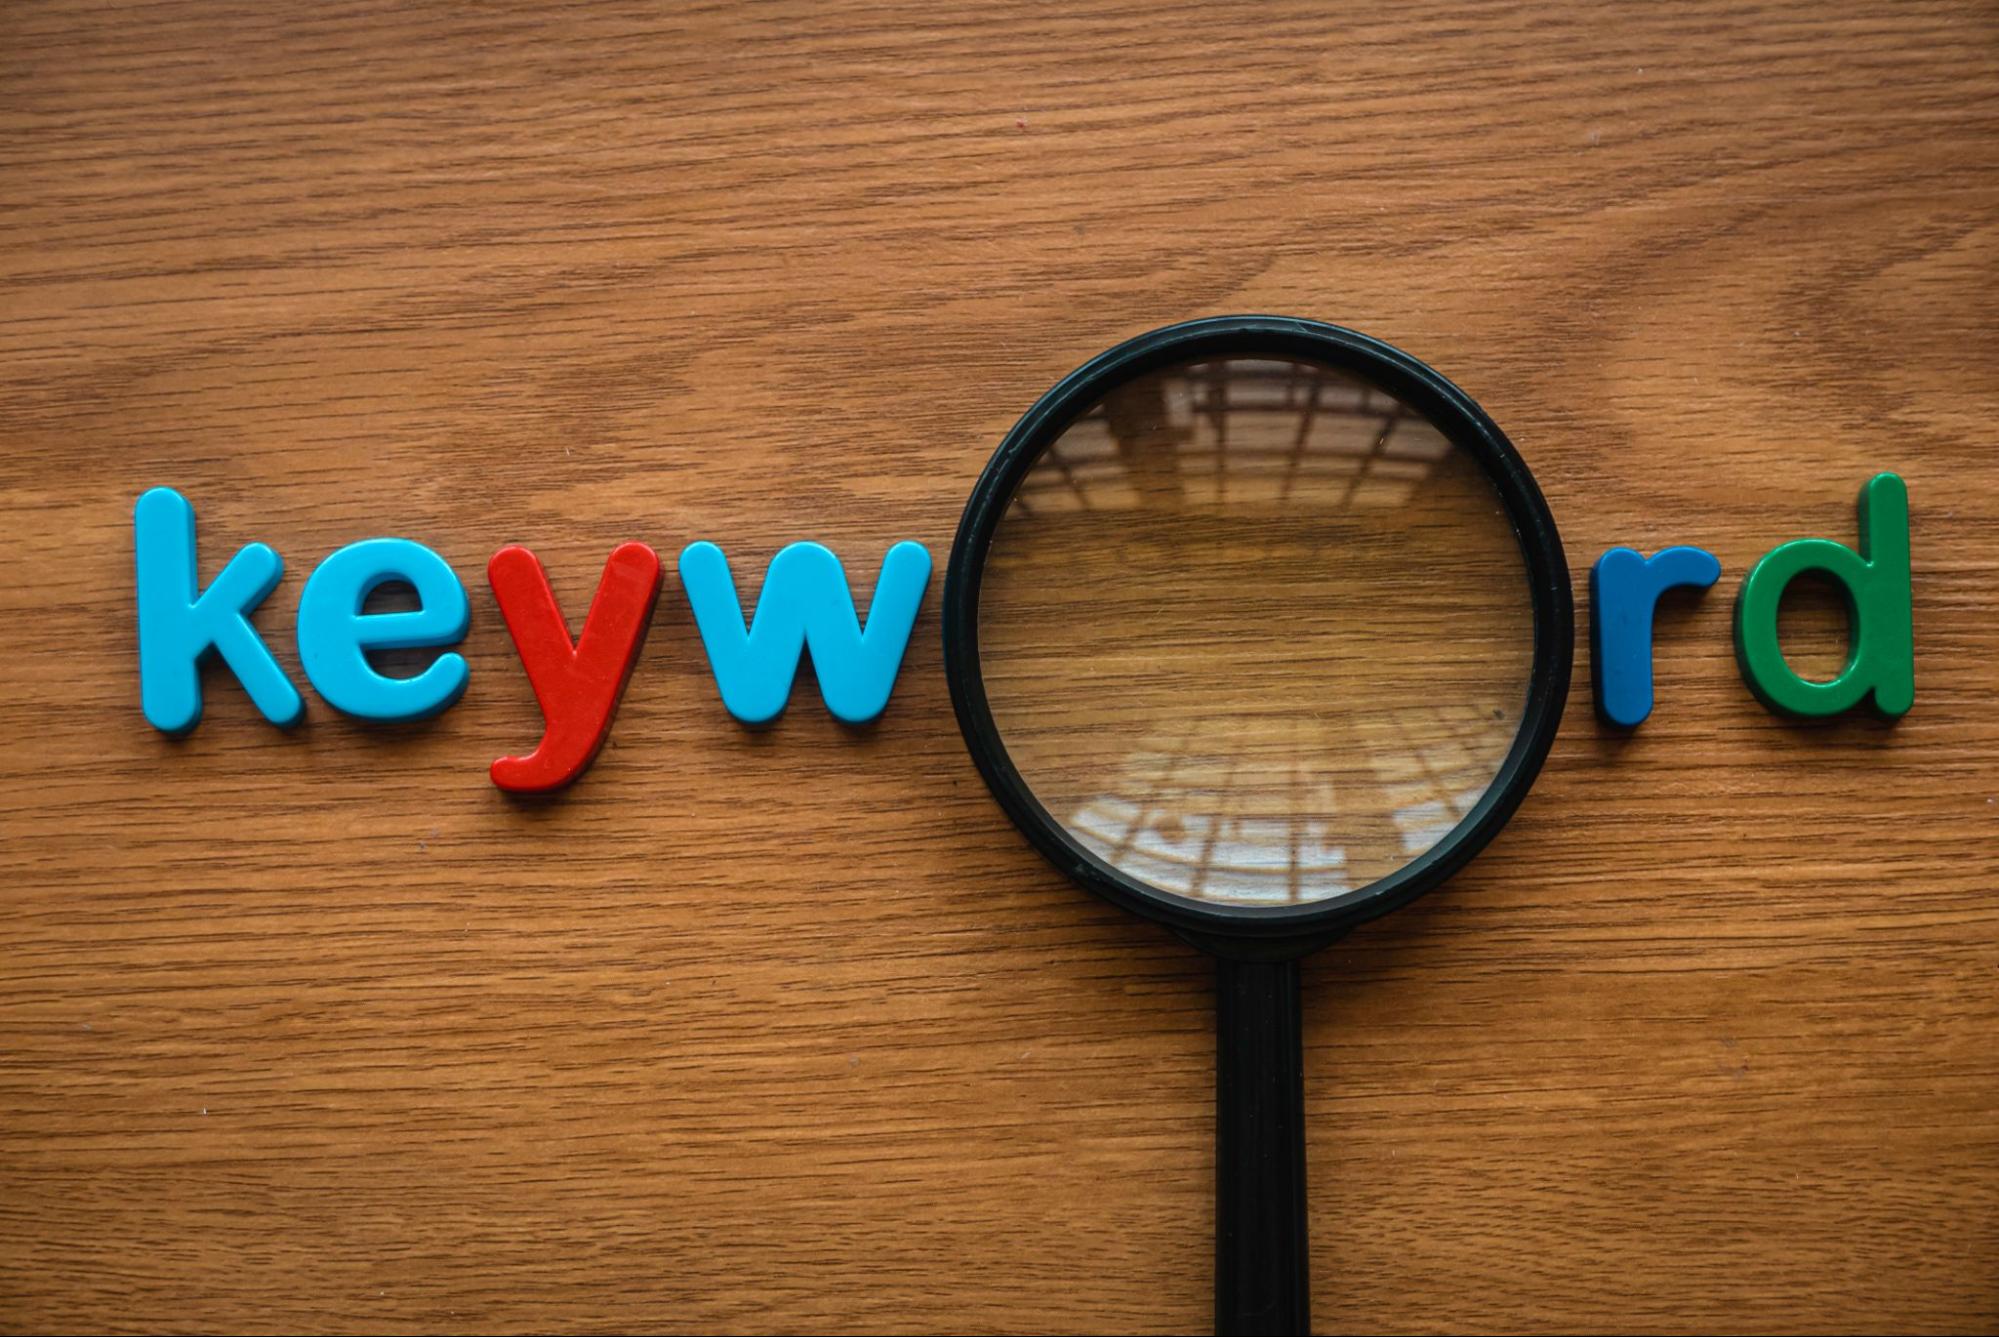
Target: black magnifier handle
(1262, 1264)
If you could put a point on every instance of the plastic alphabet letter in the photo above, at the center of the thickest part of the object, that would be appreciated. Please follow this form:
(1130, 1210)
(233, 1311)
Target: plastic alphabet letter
(1881, 657)
(577, 683)
(1624, 590)
(334, 635)
(180, 624)
(805, 602)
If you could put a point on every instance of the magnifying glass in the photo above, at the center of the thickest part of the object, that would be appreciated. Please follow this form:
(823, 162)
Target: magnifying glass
(1258, 628)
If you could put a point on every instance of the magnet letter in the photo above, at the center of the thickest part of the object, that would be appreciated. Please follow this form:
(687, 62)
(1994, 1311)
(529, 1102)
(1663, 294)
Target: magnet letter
(577, 683)
(334, 635)
(1881, 656)
(1624, 590)
(181, 624)
(805, 602)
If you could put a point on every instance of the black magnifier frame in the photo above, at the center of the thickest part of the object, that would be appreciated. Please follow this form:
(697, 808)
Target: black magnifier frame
(1260, 1233)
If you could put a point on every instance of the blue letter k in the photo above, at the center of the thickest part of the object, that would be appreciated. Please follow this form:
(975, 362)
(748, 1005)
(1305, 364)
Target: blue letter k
(180, 624)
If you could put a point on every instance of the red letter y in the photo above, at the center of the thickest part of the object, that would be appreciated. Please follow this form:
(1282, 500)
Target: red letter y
(578, 684)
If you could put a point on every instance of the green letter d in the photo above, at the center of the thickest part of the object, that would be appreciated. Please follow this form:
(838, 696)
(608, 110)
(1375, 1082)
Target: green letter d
(1881, 654)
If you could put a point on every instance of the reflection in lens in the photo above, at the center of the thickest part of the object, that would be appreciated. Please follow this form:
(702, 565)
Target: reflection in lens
(1255, 632)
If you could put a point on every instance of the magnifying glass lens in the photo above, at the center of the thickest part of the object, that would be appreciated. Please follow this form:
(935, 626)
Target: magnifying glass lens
(1254, 632)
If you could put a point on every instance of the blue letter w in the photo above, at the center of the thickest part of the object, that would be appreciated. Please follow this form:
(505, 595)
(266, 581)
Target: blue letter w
(805, 601)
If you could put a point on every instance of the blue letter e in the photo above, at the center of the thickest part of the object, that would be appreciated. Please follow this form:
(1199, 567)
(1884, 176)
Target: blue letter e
(1624, 589)
(805, 601)
(334, 635)
(180, 624)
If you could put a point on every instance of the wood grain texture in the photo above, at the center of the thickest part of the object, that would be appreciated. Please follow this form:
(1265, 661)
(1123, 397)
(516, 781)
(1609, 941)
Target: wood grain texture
(788, 1029)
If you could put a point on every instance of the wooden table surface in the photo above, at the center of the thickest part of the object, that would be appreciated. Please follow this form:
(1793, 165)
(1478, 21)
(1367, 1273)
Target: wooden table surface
(790, 1029)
